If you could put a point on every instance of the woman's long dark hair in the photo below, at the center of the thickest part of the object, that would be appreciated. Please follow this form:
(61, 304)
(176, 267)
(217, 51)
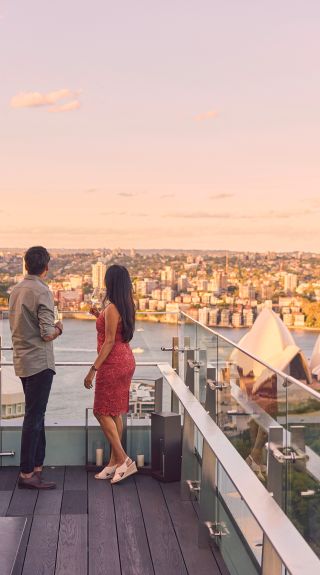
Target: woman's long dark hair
(119, 292)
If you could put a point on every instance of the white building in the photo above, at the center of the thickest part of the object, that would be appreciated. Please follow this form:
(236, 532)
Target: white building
(98, 274)
(290, 282)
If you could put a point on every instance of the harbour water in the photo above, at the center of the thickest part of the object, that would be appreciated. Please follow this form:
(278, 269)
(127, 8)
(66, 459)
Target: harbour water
(69, 398)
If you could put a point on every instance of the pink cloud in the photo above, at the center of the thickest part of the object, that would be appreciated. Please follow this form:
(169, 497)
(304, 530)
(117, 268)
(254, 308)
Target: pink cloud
(206, 115)
(62, 100)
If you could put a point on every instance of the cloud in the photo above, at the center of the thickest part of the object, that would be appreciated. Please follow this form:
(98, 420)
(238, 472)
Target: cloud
(210, 115)
(221, 196)
(68, 107)
(130, 194)
(269, 215)
(63, 100)
(167, 196)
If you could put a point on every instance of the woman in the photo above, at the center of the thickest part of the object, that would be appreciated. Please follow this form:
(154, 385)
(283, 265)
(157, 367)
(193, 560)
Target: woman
(114, 368)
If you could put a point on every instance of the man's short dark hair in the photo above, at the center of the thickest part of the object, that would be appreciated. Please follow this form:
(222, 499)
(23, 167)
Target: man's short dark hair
(36, 260)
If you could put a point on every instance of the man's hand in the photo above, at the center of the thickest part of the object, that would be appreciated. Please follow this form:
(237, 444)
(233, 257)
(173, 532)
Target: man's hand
(59, 325)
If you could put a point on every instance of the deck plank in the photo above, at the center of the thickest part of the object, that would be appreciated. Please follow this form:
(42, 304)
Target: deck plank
(199, 561)
(165, 551)
(72, 546)
(8, 478)
(75, 478)
(42, 547)
(17, 570)
(22, 503)
(55, 474)
(49, 502)
(5, 498)
(11, 532)
(74, 503)
(102, 536)
(134, 550)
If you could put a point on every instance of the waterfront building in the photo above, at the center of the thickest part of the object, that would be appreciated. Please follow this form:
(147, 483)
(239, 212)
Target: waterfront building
(214, 316)
(167, 294)
(236, 319)
(69, 300)
(225, 318)
(203, 316)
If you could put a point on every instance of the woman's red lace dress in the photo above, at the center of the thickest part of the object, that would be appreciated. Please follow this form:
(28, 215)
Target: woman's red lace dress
(114, 377)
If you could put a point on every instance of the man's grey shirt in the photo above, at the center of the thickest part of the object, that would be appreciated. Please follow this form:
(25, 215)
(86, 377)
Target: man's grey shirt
(31, 316)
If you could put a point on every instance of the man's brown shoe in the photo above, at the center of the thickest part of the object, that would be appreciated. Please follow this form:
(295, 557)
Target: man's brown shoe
(35, 482)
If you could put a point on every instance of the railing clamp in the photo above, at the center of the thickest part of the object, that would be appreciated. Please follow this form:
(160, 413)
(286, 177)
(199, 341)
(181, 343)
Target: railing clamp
(178, 349)
(216, 386)
(217, 529)
(195, 364)
(283, 454)
(194, 486)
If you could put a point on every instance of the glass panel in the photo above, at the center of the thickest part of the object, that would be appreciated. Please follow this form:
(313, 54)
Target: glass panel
(241, 548)
(302, 469)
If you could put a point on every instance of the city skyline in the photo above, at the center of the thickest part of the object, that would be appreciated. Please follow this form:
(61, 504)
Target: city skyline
(160, 126)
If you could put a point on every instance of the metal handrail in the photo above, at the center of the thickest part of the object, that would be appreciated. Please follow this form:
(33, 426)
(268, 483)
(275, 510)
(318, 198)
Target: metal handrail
(292, 549)
(284, 376)
(294, 552)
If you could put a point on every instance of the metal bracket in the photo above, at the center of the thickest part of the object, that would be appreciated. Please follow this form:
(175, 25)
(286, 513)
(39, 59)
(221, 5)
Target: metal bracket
(194, 486)
(193, 364)
(283, 454)
(217, 529)
(175, 348)
(216, 386)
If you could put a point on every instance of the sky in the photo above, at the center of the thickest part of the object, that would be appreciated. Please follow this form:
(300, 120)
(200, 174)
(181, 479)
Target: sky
(160, 124)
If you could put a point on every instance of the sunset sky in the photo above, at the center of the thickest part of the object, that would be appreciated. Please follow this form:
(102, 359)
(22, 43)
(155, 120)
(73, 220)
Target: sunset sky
(148, 123)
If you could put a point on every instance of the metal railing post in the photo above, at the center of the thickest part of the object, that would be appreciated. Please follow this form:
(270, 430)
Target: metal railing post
(158, 395)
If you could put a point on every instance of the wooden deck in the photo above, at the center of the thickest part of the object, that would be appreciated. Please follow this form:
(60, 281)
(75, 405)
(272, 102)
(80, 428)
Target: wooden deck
(88, 527)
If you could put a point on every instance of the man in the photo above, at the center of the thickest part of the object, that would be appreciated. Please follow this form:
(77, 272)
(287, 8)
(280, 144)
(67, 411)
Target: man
(33, 329)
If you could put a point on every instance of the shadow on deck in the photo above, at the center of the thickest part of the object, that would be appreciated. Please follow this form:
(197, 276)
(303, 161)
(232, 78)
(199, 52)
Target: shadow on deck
(85, 526)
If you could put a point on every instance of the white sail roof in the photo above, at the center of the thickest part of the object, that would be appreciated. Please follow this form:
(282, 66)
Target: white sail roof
(270, 340)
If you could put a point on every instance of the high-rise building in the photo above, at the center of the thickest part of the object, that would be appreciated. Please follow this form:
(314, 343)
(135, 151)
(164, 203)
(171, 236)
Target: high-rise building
(182, 283)
(24, 269)
(98, 274)
(290, 282)
(247, 291)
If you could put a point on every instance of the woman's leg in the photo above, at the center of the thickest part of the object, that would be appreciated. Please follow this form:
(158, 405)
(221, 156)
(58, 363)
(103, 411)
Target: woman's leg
(110, 430)
(119, 425)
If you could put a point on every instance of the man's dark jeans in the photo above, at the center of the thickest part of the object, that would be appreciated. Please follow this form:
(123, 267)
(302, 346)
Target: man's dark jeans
(33, 441)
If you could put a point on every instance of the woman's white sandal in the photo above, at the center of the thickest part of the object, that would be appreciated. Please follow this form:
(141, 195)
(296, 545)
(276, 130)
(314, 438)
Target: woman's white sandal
(125, 470)
(106, 473)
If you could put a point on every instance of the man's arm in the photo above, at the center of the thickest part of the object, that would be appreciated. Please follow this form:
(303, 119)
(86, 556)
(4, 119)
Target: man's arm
(48, 329)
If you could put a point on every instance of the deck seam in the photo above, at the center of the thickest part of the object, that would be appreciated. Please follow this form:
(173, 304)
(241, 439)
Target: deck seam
(144, 524)
(173, 527)
(116, 525)
(55, 562)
